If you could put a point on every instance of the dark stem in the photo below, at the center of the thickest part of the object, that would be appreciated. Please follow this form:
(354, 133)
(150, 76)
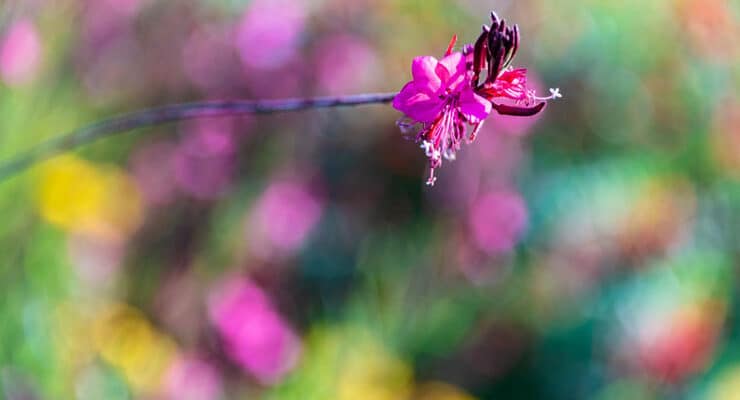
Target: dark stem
(175, 112)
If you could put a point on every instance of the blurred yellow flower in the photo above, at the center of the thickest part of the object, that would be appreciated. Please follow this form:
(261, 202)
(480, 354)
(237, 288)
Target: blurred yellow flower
(126, 340)
(370, 372)
(82, 197)
(349, 363)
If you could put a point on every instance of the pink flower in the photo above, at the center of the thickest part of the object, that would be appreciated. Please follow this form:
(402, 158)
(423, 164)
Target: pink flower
(494, 52)
(255, 335)
(447, 95)
(442, 99)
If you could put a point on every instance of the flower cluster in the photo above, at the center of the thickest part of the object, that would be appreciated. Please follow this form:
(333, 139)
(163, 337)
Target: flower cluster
(460, 90)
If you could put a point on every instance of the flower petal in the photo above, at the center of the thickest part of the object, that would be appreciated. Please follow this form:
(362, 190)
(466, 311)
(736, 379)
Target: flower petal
(455, 69)
(425, 76)
(516, 76)
(416, 104)
(454, 63)
(511, 84)
(474, 107)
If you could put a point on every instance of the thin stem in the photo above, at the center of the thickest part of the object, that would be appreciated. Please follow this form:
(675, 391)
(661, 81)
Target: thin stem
(175, 112)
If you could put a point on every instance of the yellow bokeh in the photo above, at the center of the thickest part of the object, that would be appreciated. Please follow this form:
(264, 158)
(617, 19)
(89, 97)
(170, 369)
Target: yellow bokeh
(369, 371)
(126, 340)
(82, 197)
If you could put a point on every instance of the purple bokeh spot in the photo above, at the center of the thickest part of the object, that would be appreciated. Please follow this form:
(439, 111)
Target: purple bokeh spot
(152, 167)
(255, 335)
(20, 53)
(270, 32)
(345, 64)
(191, 378)
(497, 221)
(204, 161)
(282, 219)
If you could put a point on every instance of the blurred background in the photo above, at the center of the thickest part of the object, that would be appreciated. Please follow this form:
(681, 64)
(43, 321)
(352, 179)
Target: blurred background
(591, 252)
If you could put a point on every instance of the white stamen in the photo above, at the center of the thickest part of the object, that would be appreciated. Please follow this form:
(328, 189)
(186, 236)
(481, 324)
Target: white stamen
(554, 94)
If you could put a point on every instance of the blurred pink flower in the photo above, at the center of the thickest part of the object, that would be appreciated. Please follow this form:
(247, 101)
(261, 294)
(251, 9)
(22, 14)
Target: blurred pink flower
(208, 57)
(204, 161)
(152, 167)
(20, 53)
(191, 378)
(497, 220)
(270, 32)
(345, 64)
(254, 334)
(282, 218)
(123, 7)
(441, 98)
(107, 21)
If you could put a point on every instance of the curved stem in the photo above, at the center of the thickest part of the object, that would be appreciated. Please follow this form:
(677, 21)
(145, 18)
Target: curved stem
(175, 112)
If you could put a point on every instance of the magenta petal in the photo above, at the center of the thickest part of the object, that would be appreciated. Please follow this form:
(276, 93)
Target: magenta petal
(474, 107)
(417, 105)
(425, 76)
(454, 64)
(515, 76)
(442, 73)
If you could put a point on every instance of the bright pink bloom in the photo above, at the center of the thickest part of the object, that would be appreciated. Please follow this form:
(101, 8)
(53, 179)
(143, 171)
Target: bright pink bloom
(442, 99)
(447, 95)
(255, 335)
